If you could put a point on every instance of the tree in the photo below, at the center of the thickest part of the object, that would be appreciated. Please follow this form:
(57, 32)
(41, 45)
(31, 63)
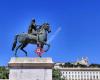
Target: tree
(68, 64)
(61, 65)
(56, 74)
(95, 65)
(81, 65)
(4, 72)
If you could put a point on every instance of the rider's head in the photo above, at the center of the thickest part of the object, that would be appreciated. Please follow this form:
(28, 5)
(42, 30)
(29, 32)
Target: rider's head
(33, 21)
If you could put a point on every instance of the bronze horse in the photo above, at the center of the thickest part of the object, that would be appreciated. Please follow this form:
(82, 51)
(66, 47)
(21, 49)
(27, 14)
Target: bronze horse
(40, 39)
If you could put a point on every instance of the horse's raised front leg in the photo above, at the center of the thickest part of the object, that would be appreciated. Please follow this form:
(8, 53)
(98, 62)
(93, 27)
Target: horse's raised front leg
(22, 48)
(41, 45)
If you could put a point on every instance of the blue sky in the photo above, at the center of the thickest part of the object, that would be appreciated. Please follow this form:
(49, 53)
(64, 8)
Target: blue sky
(79, 21)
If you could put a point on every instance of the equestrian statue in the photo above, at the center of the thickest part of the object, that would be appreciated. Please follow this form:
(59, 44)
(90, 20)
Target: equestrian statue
(37, 35)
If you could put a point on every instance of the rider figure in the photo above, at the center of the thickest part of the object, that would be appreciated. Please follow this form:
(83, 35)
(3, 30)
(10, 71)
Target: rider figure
(33, 29)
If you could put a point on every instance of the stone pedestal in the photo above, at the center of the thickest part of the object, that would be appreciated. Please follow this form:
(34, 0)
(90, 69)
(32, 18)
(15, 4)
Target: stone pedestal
(30, 68)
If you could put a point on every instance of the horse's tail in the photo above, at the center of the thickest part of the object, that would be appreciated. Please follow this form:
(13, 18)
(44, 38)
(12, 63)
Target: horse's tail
(14, 43)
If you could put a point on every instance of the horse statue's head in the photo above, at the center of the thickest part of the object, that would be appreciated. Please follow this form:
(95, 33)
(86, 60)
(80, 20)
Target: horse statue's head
(46, 26)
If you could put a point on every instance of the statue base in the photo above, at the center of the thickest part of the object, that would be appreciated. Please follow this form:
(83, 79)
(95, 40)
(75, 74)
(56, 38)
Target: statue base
(30, 68)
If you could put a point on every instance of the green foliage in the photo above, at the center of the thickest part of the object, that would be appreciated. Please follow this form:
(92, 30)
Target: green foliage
(81, 65)
(61, 65)
(4, 72)
(95, 65)
(68, 64)
(56, 74)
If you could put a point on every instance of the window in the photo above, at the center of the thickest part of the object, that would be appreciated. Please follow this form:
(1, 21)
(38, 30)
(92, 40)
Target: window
(93, 77)
(97, 77)
(87, 72)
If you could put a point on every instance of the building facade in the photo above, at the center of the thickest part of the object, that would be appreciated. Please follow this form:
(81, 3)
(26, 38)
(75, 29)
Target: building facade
(76, 70)
(80, 73)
